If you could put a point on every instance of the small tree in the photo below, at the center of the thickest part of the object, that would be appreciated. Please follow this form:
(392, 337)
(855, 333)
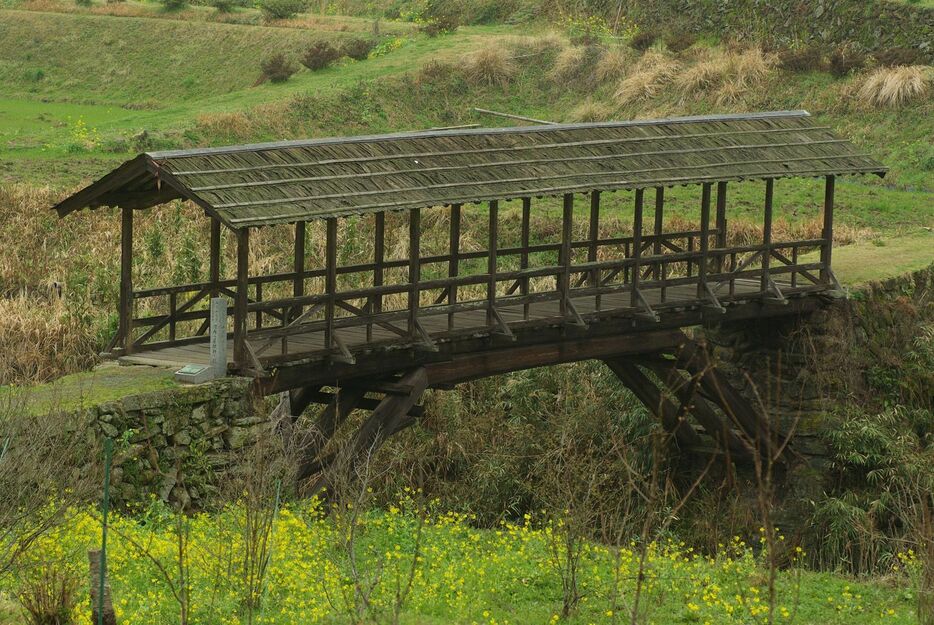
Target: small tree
(277, 68)
(319, 55)
(282, 9)
(357, 49)
(174, 5)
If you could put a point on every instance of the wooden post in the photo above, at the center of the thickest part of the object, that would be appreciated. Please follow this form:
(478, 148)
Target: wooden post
(491, 262)
(242, 300)
(524, 256)
(659, 221)
(215, 268)
(298, 265)
(126, 279)
(107, 616)
(704, 240)
(330, 281)
(827, 232)
(721, 223)
(594, 236)
(454, 261)
(379, 255)
(767, 233)
(564, 260)
(636, 246)
(415, 234)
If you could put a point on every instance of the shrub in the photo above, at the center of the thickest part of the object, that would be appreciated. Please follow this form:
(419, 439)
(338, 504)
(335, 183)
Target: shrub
(51, 597)
(808, 59)
(844, 60)
(894, 86)
(491, 66)
(83, 3)
(894, 57)
(357, 49)
(282, 9)
(277, 68)
(319, 55)
(643, 40)
(223, 6)
(174, 5)
(680, 41)
(441, 25)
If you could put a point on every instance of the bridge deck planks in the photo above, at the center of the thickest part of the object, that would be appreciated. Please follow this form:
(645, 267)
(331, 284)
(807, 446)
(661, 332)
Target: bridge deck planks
(437, 325)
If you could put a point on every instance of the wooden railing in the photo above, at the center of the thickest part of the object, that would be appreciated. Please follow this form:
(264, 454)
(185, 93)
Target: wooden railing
(654, 272)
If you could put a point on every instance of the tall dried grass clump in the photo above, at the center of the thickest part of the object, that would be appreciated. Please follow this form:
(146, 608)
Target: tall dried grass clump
(896, 85)
(653, 71)
(41, 341)
(539, 45)
(576, 64)
(591, 111)
(614, 64)
(729, 74)
(490, 66)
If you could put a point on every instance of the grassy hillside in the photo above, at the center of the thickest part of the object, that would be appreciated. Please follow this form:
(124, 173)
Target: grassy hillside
(135, 62)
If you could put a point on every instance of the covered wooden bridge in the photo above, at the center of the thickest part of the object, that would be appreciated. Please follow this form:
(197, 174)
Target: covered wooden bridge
(468, 313)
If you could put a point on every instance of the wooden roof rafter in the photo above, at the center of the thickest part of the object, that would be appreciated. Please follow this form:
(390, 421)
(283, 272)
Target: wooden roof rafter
(284, 182)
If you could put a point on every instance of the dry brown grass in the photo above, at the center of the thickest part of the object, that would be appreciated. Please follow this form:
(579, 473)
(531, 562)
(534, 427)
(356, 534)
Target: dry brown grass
(653, 71)
(533, 46)
(491, 65)
(614, 64)
(591, 111)
(727, 74)
(894, 86)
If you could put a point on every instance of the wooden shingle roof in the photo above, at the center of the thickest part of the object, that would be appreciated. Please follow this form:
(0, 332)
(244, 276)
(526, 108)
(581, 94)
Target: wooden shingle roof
(284, 182)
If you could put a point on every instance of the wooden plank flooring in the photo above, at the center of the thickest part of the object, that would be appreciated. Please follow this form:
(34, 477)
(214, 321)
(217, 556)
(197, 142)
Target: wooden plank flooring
(436, 325)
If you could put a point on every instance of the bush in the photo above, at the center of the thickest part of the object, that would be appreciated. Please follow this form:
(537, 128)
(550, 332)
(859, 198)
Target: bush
(806, 59)
(83, 3)
(277, 68)
(643, 40)
(174, 5)
(680, 41)
(223, 6)
(51, 597)
(357, 49)
(844, 60)
(319, 55)
(441, 25)
(894, 57)
(282, 9)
